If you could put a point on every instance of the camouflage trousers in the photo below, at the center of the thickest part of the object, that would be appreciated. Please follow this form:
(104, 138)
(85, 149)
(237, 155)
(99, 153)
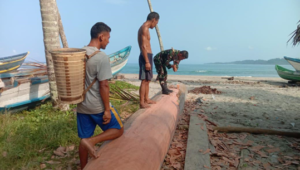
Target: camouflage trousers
(161, 72)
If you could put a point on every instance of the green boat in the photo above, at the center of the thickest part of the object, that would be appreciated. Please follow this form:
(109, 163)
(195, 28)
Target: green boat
(288, 74)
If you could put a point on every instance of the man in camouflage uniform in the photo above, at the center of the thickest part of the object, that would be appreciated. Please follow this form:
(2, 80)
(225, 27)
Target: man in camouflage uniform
(162, 60)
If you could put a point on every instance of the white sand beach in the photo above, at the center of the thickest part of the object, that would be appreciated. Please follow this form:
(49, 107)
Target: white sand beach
(274, 100)
(268, 103)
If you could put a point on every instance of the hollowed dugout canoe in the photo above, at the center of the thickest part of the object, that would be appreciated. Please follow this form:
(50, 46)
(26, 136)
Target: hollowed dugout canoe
(147, 137)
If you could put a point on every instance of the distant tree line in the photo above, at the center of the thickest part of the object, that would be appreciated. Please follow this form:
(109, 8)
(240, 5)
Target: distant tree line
(275, 61)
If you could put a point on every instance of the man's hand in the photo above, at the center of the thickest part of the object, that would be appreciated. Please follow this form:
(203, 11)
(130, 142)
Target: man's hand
(174, 68)
(106, 117)
(148, 66)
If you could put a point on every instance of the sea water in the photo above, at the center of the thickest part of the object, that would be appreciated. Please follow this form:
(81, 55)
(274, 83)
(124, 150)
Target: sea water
(236, 70)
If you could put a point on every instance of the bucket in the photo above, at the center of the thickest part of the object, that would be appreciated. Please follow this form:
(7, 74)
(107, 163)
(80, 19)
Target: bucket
(69, 68)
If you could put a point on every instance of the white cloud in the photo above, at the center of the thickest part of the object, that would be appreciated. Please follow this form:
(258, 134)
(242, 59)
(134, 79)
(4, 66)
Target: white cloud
(116, 2)
(250, 47)
(210, 48)
(14, 51)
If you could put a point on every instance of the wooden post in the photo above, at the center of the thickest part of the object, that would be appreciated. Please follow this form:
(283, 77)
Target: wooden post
(157, 29)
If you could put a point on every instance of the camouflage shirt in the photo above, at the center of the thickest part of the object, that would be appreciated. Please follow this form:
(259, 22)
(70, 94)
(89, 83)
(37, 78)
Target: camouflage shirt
(165, 57)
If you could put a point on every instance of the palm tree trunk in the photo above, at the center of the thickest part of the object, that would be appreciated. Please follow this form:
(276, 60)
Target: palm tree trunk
(156, 28)
(51, 41)
(61, 31)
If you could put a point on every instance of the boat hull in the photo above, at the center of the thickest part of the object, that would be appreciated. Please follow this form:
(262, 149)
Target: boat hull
(12, 62)
(287, 74)
(24, 94)
(294, 62)
(118, 60)
(37, 89)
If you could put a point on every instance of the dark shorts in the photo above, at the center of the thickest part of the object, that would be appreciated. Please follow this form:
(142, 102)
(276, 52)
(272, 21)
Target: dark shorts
(86, 123)
(144, 74)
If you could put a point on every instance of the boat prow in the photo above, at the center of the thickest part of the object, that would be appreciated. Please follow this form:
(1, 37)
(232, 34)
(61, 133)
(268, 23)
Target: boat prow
(295, 62)
(118, 60)
(288, 74)
(12, 62)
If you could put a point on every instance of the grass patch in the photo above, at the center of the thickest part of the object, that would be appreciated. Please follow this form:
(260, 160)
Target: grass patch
(29, 138)
(121, 105)
(24, 134)
(123, 85)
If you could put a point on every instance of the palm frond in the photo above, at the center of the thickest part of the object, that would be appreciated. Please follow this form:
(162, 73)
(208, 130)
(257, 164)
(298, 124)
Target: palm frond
(295, 36)
(116, 93)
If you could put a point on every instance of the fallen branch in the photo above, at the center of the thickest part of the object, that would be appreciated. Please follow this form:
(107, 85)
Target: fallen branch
(256, 131)
(205, 118)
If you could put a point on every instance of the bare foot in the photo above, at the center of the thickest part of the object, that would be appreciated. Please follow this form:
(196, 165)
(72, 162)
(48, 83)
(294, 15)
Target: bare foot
(86, 143)
(144, 106)
(150, 101)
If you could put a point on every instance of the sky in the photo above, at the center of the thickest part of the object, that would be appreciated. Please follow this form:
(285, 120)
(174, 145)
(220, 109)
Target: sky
(211, 31)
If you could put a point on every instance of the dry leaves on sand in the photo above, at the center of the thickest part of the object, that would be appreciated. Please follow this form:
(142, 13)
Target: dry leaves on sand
(227, 149)
(176, 154)
(43, 166)
(4, 154)
(205, 90)
(266, 166)
(52, 162)
(273, 150)
(202, 127)
(207, 151)
(206, 167)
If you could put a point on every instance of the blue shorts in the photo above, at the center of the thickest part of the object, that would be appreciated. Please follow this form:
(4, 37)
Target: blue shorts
(86, 123)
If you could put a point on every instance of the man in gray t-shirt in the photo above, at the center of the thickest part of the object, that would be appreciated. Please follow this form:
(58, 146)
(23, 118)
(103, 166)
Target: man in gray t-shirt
(96, 109)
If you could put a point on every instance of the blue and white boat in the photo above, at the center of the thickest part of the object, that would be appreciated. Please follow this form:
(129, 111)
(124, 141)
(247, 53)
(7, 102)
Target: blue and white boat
(18, 89)
(12, 62)
(118, 60)
(19, 92)
(295, 62)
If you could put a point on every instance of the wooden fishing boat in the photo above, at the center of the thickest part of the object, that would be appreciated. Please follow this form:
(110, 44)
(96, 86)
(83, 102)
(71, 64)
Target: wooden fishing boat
(23, 91)
(12, 62)
(18, 89)
(288, 74)
(118, 60)
(295, 62)
(24, 87)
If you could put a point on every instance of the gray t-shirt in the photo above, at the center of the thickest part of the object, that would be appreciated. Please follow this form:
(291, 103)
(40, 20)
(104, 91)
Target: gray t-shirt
(97, 66)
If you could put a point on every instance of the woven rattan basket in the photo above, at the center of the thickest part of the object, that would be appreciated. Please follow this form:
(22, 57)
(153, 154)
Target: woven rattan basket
(69, 67)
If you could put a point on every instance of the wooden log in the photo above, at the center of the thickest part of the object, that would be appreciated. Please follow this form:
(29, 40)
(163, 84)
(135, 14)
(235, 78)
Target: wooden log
(147, 137)
(256, 131)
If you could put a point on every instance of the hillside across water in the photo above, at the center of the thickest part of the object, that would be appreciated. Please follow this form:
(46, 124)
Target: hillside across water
(275, 61)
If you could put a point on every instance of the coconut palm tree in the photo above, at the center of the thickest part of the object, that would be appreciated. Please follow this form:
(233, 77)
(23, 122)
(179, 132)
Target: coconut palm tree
(49, 12)
(295, 36)
(61, 31)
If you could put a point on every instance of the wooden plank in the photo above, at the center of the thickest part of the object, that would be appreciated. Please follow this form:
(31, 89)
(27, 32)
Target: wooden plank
(146, 140)
(197, 140)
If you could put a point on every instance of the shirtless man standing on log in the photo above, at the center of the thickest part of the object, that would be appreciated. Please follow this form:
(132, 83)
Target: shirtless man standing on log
(145, 59)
